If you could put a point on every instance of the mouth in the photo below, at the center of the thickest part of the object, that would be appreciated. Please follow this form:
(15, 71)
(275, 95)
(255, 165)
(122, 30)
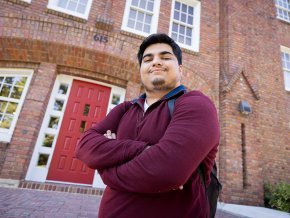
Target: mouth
(157, 71)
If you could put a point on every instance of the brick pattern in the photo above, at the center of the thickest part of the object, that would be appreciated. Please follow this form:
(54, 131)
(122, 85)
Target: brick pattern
(60, 188)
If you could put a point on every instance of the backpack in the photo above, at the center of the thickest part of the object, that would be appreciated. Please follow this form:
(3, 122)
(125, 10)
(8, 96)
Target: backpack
(214, 188)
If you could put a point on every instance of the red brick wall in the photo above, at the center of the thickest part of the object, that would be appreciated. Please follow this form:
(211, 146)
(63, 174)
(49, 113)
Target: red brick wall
(250, 43)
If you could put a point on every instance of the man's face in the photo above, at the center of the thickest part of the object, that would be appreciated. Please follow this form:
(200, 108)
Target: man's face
(160, 70)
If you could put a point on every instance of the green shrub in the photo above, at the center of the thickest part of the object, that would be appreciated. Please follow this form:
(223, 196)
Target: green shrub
(277, 197)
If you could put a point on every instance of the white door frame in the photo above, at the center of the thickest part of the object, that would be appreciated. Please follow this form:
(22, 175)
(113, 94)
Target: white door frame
(39, 173)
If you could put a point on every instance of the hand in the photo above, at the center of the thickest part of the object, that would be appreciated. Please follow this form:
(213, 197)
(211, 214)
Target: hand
(110, 135)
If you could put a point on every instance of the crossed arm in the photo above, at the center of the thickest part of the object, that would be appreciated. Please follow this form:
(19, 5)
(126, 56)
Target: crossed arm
(192, 133)
(100, 152)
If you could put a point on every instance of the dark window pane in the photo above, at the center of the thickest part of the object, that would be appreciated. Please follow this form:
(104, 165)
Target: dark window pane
(148, 19)
(116, 99)
(132, 14)
(58, 105)
(63, 89)
(83, 126)
(143, 4)
(188, 41)
(177, 5)
(6, 122)
(20, 81)
(16, 92)
(48, 140)
(184, 8)
(84, 2)
(3, 106)
(9, 80)
(135, 2)
(139, 26)
(146, 28)
(176, 15)
(182, 30)
(11, 108)
(174, 36)
(183, 17)
(86, 110)
(72, 6)
(175, 27)
(150, 6)
(190, 10)
(131, 23)
(5, 90)
(53, 122)
(42, 160)
(62, 3)
(190, 20)
(81, 9)
(140, 17)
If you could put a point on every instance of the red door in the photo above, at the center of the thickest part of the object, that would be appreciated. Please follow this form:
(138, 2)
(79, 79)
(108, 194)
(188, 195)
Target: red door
(87, 105)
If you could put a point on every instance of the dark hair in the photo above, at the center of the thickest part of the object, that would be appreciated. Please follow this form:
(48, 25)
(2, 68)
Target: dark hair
(159, 38)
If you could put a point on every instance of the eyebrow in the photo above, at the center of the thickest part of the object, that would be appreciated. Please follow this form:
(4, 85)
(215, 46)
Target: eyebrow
(161, 53)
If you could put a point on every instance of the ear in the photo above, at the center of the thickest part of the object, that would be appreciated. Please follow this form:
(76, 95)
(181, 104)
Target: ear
(180, 70)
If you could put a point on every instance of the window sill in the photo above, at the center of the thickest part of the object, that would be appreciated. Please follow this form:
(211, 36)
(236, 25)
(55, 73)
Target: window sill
(62, 14)
(283, 21)
(19, 2)
(188, 51)
(134, 35)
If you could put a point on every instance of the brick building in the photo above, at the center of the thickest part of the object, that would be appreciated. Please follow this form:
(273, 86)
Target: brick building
(65, 64)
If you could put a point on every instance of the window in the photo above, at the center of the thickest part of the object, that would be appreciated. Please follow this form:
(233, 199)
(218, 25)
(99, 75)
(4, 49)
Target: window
(185, 22)
(13, 88)
(283, 9)
(141, 16)
(286, 66)
(78, 8)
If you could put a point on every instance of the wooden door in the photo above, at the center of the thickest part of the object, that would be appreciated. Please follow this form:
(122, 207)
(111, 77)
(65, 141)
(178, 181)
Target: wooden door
(86, 106)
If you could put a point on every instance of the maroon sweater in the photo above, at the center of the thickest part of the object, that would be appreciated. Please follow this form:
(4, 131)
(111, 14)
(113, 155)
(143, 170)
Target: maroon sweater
(145, 182)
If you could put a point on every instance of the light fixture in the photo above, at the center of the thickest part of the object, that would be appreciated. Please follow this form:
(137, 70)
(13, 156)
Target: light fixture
(245, 107)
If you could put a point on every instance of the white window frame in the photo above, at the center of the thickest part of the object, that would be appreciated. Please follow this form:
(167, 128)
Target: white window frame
(52, 4)
(196, 24)
(286, 71)
(28, 1)
(154, 21)
(284, 10)
(6, 134)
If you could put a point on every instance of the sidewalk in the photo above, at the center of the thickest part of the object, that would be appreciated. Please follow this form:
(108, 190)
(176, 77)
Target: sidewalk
(16, 203)
(252, 212)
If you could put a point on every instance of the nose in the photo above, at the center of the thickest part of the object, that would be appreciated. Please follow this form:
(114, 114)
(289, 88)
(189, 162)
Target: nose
(157, 61)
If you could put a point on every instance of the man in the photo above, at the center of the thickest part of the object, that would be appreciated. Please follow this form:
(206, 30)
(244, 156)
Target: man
(148, 159)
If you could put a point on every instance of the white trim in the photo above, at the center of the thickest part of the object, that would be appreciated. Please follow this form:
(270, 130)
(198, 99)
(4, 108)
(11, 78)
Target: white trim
(6, 134)
(284, 49)
(196, 24)
(39, 174)
(284, 9)
(154, 21)
(52, 4)
(286, 71)
(28, 1)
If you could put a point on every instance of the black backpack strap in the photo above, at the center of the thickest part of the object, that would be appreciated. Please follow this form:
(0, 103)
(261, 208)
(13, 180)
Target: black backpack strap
(171, 103)
(200, 170)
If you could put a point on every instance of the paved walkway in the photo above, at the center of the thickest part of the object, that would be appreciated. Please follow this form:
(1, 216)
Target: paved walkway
(16, 203)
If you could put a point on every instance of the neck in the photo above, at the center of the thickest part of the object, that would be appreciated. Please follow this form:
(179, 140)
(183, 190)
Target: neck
(152, 97)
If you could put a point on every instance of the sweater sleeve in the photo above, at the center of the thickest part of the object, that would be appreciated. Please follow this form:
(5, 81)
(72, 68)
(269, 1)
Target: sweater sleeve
(192, 133)
(99, 152)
